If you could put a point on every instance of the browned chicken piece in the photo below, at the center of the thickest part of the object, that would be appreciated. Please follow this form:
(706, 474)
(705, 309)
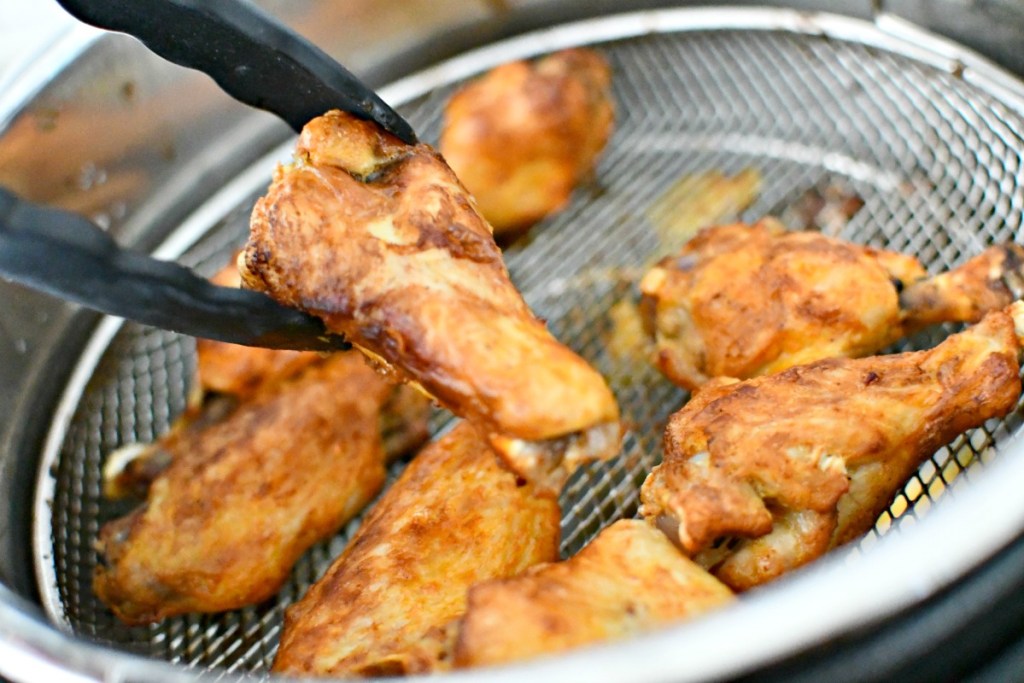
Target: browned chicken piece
(630, 579)
(746, 300)
(380, 240)
(764, 475)
(989, 281)
(390, 603)
(238, 371)
(225, 375)
(244, 496)
(523, 136)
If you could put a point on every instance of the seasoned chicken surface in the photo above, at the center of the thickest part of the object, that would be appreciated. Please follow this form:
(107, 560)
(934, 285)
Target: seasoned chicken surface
(628, 580)
(523, 136)
(390, 603)
(746, 300)
(764, 475)
(380, 240)
(244, 495)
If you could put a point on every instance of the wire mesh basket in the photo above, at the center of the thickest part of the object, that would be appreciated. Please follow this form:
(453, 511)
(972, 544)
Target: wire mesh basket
(931, 161)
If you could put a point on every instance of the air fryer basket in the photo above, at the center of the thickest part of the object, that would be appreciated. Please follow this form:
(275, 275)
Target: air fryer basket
(926, 136)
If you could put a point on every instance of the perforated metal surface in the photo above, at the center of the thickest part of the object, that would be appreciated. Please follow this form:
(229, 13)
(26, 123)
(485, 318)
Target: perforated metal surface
(936, 160)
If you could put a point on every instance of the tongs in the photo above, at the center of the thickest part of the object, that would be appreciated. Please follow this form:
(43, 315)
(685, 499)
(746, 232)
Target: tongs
(257, 61)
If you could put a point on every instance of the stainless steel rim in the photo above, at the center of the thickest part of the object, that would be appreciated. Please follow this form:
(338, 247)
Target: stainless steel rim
(839, 593)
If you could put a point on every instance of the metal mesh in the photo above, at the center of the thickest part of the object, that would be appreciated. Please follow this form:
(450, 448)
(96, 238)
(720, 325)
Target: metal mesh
(936, 161)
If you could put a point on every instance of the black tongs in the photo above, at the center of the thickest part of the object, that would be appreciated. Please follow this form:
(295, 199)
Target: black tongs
(65, 255)
(257, 61)
(254, 58)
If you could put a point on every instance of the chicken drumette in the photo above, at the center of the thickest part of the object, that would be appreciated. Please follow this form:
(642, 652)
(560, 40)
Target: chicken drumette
(381, 241)
(767, 474)
(524, 135)
(746, 300)
(630, 579)
(244, 492)
(391, 602)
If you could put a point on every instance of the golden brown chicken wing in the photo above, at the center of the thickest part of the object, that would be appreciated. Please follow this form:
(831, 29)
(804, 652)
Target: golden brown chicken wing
(225, 375)
(380, 240)
(764, 475)
(524, 135)
(746, 300)
(243, 497)
(390, 603)
(628, 580)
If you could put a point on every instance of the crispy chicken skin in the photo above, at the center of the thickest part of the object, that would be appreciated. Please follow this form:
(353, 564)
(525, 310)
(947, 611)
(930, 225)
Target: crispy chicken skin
(746, 300)
(238, 371)
(967, 293)
(380, 240)
(764, 475)
(630, 579)
(244, 496)
(390, 603)
(525, 134)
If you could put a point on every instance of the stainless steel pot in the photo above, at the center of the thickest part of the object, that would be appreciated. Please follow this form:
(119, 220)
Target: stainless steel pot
(168, 163)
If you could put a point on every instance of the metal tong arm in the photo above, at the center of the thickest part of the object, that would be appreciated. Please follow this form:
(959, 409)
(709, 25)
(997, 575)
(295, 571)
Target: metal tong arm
(65, 255)
(254, 58)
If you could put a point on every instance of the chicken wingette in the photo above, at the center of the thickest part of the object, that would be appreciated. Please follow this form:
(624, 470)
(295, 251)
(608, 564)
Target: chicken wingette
(630, 579)
(746, 300)
(764, 475)
(524, 135)
(380, 240)
(225, 375)
(244, 495)
(390, 603)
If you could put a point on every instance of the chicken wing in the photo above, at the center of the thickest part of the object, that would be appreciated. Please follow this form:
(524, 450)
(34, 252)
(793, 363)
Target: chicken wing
(746, 300)
(524, 135)
(764, 475)
(244, 496)
(225, 375)
(628, 580)
(380, 240)
(390, 603)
